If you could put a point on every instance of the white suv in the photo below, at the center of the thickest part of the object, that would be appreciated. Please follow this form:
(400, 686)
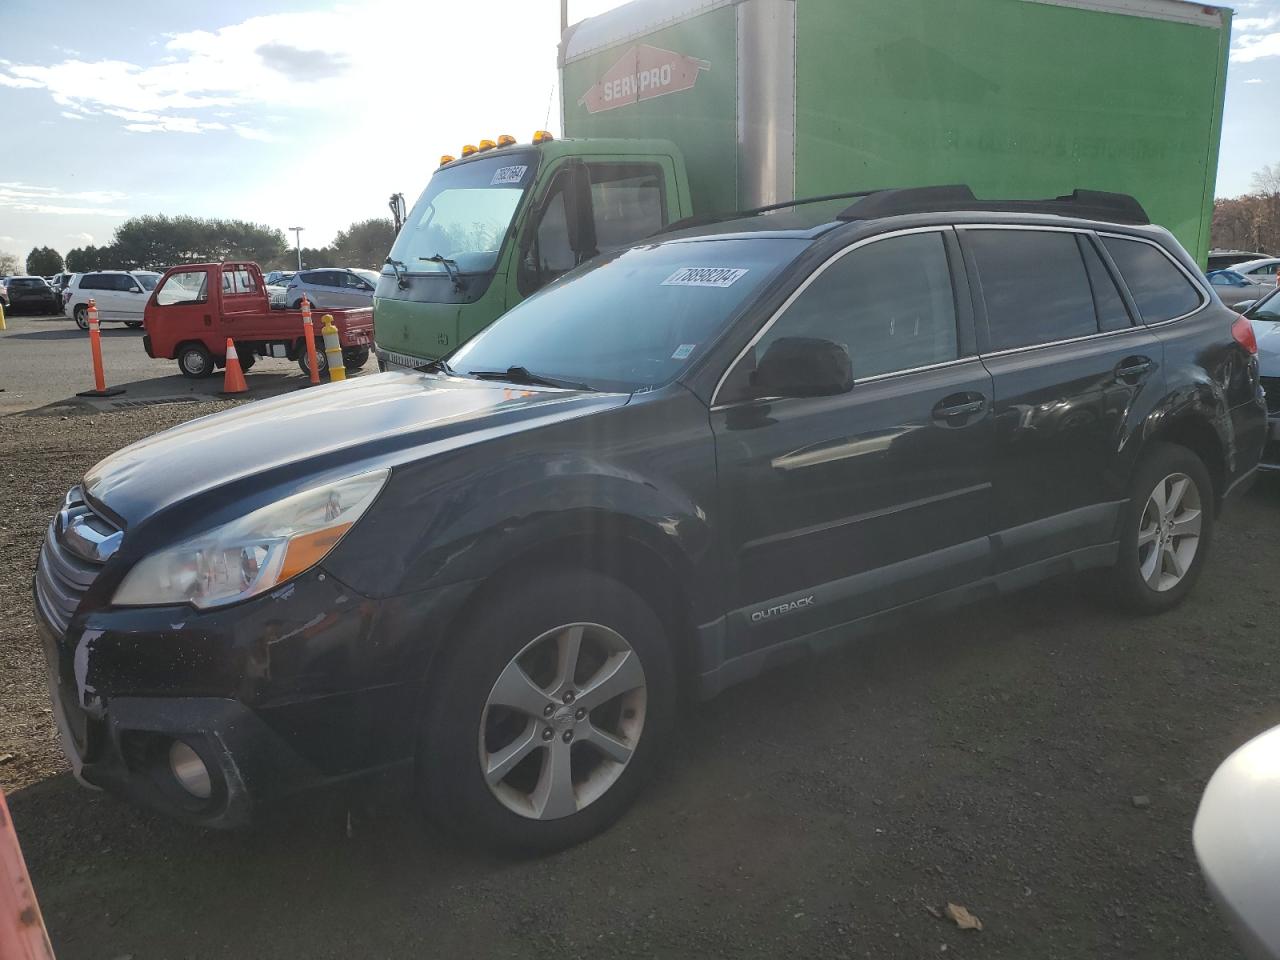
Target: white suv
(120, 295)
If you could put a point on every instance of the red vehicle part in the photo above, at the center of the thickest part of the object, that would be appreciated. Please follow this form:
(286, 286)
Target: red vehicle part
(196, 307)
(22, 932)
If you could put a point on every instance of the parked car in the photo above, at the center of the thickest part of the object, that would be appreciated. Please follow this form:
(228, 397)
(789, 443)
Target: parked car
(1235, 289)
(32, 294)
(332, 287)
(1262, 270)
(279, 277)
(59, 283)
(4, 292)
(686, 461)
(198, 306)
(120, 295)
(1221, 259)
(1265, 318)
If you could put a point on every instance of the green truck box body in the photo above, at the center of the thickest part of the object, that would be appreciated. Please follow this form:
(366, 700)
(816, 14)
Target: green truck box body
(1016, 98)
(771, 100)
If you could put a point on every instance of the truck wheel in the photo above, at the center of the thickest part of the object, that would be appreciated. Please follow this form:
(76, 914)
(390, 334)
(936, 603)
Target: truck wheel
(1168, 526)
(549, 714)
(247, 357)
(322, 360)
(133, 324)
(82, 317)
(195, 361)
(354, 358)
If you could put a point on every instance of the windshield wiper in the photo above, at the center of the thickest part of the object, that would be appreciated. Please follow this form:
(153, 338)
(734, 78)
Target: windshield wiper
(526, 376)
(450, 267)
(439, 365)
(398, 266)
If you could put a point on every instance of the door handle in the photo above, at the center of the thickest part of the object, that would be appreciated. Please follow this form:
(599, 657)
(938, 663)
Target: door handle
(959, 405)
(1133, 367)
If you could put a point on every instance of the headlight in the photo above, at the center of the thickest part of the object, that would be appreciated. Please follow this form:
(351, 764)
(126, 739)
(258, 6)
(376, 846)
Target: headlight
(254, 553)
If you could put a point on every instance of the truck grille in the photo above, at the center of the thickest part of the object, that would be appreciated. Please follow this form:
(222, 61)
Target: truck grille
(1272, 387)
(76, 545)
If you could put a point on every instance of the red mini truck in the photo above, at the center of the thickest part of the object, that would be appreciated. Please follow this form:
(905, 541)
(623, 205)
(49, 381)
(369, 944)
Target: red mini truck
(197, 306)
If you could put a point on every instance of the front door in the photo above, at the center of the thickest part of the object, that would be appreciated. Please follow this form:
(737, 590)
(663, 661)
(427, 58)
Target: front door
(838, 507)
(1070, 369)
(182, 310)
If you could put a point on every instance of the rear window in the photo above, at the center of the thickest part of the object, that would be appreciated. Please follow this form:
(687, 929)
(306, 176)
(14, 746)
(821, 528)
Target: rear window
(27, 282)
(94, 281)
(1034, 285)
(1158, 287)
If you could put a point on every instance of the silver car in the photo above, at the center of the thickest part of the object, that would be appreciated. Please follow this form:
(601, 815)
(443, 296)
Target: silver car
(332, 287)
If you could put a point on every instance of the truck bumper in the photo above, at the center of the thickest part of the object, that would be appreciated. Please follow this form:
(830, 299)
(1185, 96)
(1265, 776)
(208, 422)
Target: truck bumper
(390, 360)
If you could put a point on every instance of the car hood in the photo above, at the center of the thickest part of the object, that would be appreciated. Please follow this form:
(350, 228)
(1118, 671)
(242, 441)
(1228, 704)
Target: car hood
(391, 416)
(1267, 333)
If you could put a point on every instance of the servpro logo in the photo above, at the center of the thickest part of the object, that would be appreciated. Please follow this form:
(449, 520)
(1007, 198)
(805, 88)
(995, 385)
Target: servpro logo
(781, 609)
(643, 72)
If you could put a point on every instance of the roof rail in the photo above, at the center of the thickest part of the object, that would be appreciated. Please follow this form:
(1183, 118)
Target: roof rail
(1083, 204)
(696, 221)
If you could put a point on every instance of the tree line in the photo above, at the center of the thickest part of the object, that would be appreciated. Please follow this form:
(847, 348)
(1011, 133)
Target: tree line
(1251, 222)
(155, 242)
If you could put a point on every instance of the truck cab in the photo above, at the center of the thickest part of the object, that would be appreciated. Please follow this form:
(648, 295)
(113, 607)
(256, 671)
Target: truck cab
(500, 223)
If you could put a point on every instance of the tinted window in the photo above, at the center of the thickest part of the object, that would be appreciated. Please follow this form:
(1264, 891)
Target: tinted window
(1034, 285)
(631, 319)
(1159, 288)
(626, 202)
(354, 282)
(123, 282)
(550, 254)
(1107, 302)
(890, 304)
(94, 281)
(148, 280)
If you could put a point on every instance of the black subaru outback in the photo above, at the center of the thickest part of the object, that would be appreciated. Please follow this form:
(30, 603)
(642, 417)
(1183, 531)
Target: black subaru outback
(679, 464)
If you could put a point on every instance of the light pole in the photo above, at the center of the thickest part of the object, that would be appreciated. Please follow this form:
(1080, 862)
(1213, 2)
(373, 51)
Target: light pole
(297, 238)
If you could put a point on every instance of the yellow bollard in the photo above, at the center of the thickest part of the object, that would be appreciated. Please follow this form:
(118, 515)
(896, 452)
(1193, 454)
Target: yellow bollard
(2, 326)
(333, 349)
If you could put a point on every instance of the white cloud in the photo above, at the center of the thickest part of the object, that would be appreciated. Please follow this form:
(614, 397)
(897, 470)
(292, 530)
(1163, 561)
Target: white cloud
(72, 116)
(1255, 37)
(1254, 80)
(7, 239)
(30, 198)
(81, 237)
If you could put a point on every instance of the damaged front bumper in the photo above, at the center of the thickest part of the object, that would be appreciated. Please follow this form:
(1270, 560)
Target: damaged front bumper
(310, 684)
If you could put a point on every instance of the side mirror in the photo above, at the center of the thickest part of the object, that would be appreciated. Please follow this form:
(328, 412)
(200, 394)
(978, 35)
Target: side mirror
(803, 367)
(579, 222)
(1237, 841)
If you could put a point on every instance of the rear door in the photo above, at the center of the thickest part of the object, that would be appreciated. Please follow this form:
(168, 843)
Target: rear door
(838, 507)
(106, 295)
(1074, 374)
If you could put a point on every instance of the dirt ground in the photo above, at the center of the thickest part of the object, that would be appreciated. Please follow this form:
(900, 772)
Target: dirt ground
(990, 759)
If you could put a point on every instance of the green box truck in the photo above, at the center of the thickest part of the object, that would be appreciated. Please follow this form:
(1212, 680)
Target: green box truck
(678, 108)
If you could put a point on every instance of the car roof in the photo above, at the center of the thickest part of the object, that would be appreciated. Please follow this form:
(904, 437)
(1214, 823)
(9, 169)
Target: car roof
(1253, 264)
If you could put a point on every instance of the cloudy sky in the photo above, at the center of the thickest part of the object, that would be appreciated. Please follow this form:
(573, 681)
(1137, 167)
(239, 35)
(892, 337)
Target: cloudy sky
(313, 113)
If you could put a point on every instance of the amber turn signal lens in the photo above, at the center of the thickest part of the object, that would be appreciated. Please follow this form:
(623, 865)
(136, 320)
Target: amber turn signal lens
(505, 139)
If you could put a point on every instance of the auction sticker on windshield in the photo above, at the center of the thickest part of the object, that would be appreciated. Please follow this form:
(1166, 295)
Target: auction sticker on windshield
(508, 175)
(705, 277)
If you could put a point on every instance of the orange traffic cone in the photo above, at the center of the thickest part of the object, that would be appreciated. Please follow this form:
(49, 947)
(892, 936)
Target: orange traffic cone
(233, 382)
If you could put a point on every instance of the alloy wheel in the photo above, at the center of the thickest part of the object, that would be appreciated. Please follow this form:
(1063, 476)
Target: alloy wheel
(1169, 532)
(562, 721)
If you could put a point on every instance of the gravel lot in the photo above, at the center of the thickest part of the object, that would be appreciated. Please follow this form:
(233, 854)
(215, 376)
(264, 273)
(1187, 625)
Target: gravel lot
(990, 759)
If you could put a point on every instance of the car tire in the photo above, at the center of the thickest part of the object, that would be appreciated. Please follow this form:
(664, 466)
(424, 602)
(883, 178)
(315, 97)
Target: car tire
(1167, 530)
(195, 361)
(354, 358)
(526, 625)
(82, 317)
(133, 324)
(322, 359)
(247, 357)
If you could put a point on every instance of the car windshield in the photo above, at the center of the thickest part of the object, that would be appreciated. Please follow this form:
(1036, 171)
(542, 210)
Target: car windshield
(1268, 308)
(370, 275)
(148, 280)
(463, 215)
(633, 319)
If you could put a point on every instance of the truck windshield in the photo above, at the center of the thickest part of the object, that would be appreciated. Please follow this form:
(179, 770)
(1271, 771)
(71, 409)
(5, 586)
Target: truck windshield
(463, 215)
(632, 319)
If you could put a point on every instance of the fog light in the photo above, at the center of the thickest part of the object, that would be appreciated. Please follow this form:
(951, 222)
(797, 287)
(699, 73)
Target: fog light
(189, 770)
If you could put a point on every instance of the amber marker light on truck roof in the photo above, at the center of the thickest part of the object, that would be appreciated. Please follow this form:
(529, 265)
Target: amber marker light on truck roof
(542, 136)
(505, 139)
(447, 158)
(469, 149)
(487, 145)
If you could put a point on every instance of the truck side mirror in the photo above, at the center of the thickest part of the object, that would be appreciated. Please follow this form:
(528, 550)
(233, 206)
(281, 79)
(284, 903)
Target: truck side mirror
(802, 367)
(578, 217)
